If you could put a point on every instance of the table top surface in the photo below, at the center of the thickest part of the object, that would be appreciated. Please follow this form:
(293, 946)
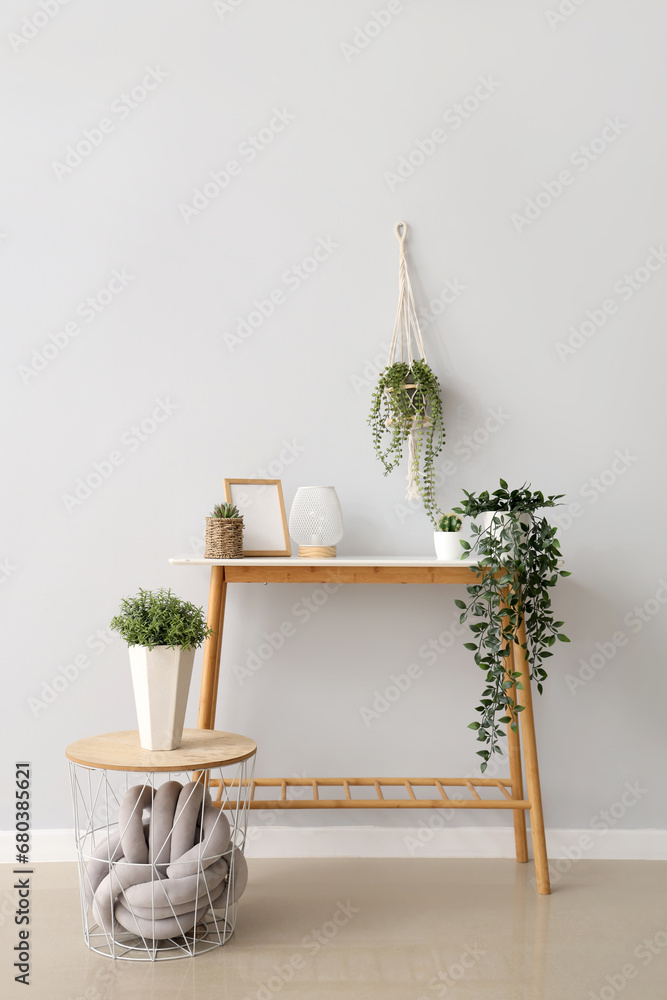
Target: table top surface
(294, 561)
(200, 748)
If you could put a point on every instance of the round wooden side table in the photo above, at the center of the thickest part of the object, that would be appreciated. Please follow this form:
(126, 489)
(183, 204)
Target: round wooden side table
(160, 837)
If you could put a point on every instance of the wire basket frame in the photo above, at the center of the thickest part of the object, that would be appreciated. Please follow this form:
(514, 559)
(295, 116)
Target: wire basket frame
(96, 796)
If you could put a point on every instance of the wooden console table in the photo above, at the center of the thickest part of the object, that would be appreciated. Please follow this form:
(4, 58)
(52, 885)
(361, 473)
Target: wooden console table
(385, 570)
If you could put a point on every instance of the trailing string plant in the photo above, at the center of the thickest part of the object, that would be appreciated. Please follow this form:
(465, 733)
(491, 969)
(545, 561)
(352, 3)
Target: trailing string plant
(518, 555)
(406, 408)
(159, 618)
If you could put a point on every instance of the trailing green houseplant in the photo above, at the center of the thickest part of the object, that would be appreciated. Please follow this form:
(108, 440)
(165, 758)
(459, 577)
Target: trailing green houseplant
(407, 409)
(519, 556)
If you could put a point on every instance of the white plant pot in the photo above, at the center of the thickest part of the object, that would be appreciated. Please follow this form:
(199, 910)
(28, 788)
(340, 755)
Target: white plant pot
(494, 521)
(161, 682)
(448, 545)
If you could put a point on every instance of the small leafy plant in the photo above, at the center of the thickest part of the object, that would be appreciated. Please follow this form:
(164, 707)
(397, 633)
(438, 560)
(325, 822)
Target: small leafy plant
(450, 522)
(518, 561)
(225, 510)
(159, 618)
(407, 399)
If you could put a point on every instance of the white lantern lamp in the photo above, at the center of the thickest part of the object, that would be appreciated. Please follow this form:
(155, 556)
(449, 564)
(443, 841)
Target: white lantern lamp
(316, 522)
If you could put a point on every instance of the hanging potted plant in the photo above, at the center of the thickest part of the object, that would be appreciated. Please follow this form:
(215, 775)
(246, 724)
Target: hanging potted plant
(519, 561)
(448, 545)
(224, 533)
(406, 408)
(162, 633)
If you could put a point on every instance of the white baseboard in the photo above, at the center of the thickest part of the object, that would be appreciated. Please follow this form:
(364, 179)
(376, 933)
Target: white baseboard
(418, 841)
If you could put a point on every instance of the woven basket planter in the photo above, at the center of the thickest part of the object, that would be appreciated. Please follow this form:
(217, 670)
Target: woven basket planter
(224, 538)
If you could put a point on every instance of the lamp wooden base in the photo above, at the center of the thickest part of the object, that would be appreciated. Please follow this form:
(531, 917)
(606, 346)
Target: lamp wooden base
(317, 552)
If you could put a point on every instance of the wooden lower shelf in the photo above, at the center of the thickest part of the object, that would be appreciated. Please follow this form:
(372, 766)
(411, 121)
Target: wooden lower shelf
(306, 794)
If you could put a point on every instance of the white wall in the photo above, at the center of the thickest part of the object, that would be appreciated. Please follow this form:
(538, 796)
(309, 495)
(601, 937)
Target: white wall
(348, 116)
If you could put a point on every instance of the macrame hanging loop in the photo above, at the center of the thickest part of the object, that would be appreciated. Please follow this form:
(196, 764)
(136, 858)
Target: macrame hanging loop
(407, 336)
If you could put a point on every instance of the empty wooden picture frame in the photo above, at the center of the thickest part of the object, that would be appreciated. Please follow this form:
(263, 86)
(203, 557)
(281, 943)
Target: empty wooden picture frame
(260, 502)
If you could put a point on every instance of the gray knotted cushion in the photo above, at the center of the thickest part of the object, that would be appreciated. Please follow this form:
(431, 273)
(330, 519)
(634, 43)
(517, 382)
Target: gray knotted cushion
(162, 819)
(174, 909)
(167, 927)
(132, 835)
(150, 877)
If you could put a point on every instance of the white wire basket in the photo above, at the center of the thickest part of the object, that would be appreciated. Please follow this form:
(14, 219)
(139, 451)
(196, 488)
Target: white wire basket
(161, 862)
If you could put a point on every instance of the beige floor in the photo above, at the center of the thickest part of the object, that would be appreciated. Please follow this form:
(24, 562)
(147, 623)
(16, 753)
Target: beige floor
(404, 930)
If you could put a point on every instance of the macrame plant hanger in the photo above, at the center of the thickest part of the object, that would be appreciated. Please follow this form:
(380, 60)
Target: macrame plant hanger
(408, 336)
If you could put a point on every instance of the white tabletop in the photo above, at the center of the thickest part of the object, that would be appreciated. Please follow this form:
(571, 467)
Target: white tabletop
(404, 561)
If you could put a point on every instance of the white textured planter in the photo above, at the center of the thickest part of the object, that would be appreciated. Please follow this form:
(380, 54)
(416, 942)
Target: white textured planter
(448, 545)
(494, 521)
(161, 682)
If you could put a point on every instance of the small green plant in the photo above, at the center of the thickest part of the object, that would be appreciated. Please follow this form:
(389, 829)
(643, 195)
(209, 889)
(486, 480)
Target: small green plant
(450, 522)
(396, 411)
(159, 618)
(518, 559)
(225, 510)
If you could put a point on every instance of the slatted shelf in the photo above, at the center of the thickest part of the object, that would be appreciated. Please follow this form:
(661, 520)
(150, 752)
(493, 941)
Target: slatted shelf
(308, 794)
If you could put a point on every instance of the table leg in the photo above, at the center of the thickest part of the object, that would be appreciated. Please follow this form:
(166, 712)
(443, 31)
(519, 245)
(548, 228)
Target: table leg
(211, 668)
(514, 753)
(527, 725)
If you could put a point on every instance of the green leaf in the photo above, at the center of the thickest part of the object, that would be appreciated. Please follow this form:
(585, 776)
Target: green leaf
(474, 725)
(563, 638)
(462, 604)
